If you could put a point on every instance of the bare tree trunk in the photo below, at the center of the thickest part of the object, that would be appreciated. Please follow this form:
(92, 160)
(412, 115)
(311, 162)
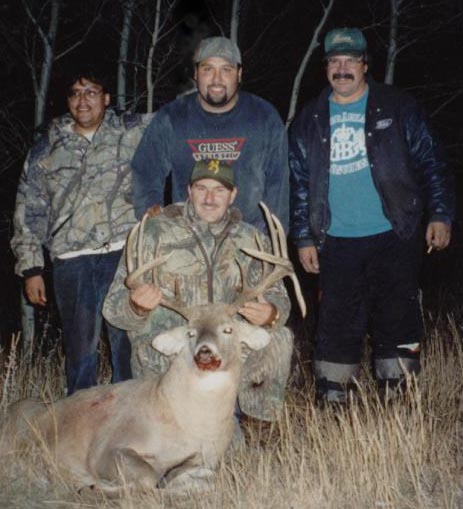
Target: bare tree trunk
(123, 55)
(149, 63)
(48, 42)
(235, 21)
(40, 86)
(300, 73)
(393, 34)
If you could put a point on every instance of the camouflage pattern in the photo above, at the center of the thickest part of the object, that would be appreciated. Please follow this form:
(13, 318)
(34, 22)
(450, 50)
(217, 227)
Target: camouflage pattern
(204, 269)
(74, 193)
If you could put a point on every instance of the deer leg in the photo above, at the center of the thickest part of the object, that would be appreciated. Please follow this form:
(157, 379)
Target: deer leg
(125, 468)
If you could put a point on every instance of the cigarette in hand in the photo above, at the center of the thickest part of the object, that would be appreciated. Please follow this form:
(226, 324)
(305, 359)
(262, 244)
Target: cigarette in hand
(429, 249)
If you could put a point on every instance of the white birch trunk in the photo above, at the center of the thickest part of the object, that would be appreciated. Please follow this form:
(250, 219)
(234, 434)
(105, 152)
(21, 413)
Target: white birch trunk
(48, 38)
(300, 73)
(41, 86)
(123, 55)
(393, 45)
(235, 21)
(149, 63)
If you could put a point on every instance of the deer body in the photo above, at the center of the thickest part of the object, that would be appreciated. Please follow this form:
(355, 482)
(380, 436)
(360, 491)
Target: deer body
(173, 429)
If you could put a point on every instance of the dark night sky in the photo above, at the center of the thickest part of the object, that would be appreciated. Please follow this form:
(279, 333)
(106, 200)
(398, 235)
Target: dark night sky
(273, 37)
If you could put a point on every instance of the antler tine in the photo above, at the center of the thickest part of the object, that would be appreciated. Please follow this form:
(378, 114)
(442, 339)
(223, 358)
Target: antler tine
(128, 249)
(137, 231)
(298, 293)
(260, 248)
(281, 237)
(251, 293)
(279, 258)
(133, 277)
(140, 237)
(284, 254)
(134, 274)
(176, 304)
(270, 218)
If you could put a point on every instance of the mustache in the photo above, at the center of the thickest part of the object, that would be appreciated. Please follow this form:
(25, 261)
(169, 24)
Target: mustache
(343, 76)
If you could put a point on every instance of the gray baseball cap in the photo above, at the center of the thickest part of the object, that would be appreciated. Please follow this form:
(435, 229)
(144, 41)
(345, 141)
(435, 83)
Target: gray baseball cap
(218, 47)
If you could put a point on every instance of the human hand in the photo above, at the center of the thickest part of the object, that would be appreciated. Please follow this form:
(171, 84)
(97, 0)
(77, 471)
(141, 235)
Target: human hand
(154, 210)
(145, 298)
(34, 288)
(308, 256)
(259, 313)
(438, 235)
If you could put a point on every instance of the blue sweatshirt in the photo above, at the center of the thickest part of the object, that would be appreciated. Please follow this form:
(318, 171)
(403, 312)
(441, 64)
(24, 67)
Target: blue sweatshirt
(251, 137)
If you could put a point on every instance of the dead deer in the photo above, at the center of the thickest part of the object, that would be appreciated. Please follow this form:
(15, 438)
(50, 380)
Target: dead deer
(166, 431)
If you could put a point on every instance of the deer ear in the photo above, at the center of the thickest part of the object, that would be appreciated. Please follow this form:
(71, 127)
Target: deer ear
(170, 342)
(254, 337)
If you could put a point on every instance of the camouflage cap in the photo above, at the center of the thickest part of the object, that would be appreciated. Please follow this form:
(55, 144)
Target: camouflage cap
(213, 169)
(349, 41)
(218, 47)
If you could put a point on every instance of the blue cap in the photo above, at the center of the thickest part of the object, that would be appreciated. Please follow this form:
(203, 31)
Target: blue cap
(345, 41)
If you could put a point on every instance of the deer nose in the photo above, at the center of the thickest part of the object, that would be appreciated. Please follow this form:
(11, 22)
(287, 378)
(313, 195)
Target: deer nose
(206, 359)
(204, 353)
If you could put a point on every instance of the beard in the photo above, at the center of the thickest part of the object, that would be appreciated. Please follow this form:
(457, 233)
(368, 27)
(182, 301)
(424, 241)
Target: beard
(217, 101)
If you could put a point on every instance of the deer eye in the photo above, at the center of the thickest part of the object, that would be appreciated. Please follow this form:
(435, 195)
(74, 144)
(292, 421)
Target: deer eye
(227, 330)
(191, 334)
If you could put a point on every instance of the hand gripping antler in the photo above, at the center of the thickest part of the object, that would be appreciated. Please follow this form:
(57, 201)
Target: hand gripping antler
(282, 266)
(133, 278)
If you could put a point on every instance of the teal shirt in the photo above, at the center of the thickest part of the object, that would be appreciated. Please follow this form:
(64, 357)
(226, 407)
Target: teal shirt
(355, 205)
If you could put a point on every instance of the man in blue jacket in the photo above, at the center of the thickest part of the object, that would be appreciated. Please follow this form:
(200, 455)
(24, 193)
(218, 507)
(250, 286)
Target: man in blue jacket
(218, 121)
(364, 169)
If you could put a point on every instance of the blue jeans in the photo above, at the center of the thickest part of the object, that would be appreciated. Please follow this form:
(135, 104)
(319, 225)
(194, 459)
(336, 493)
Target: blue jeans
(81, 285)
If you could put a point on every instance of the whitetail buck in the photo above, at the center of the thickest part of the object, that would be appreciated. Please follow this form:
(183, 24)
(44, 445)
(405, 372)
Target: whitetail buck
(171, 430)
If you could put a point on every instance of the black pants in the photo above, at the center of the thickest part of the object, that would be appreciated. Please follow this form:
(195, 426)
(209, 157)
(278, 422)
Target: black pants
(368, 284)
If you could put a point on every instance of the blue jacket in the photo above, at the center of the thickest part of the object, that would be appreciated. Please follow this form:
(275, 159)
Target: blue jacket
(251, 136)
(407, 166)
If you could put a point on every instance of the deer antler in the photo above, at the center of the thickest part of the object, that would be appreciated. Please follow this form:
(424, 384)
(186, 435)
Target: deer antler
(133, 278)
(282, 266)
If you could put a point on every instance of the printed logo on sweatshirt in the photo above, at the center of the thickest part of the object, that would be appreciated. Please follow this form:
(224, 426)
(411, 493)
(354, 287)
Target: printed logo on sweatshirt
(222, 149)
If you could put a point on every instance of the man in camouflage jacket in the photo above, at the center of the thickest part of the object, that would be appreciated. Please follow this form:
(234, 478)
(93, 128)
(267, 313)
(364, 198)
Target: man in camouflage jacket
(74, 200)
(204, 236)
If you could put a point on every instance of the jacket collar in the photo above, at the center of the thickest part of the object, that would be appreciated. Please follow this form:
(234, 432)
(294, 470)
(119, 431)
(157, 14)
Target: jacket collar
(61, 127)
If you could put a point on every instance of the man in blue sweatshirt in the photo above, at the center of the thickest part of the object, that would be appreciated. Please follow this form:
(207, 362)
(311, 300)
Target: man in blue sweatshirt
(218, 121)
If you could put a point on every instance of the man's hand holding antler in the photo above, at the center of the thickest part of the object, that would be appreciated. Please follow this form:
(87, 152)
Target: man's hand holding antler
(259, 313)
(145, 298)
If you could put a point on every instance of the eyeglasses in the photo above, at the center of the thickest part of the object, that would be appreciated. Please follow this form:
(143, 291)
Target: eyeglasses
(347, 62)
(88, 93)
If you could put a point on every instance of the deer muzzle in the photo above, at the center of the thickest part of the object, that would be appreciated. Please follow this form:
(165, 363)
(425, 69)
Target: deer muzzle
(206, 359)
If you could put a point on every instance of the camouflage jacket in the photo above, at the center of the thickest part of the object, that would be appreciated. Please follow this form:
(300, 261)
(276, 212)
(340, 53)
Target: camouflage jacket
(203, 268)
(74, 193)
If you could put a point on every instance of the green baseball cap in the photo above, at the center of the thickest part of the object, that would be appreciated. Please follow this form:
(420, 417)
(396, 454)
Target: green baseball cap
(345, 41)
(213, 169)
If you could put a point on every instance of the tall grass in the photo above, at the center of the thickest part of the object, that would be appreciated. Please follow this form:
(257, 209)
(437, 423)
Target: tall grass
(405, 454)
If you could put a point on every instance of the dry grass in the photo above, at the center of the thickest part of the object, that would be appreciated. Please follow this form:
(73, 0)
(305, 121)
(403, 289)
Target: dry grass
(405, 455)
